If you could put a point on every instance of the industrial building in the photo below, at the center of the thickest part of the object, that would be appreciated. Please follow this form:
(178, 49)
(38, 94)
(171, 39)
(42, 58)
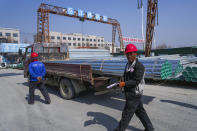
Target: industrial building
(8, 35)
(75, 40)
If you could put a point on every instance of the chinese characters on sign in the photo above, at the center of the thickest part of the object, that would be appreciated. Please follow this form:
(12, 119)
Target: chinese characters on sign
(80, 13)
(97, 17)
(89, 15)
(105, 18)
(70, 11)
(127, 39)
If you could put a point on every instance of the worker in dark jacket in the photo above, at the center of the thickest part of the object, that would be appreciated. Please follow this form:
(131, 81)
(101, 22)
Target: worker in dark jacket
(37, 72)
(133, 87)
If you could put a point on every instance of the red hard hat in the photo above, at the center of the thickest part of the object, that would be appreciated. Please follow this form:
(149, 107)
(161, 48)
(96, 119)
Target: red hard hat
(130, 48)
(34, 55)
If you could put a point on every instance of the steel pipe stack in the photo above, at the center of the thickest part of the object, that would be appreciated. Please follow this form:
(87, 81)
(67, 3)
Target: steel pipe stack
(154, 68)
(172, 68)
(186, 70)
(88, 53)
(190, 73)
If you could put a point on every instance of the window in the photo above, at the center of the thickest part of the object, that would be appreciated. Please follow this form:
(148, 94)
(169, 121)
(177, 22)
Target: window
(8, 34)
(98, 44)
(83, 39)
(15, 41)
(58, 38)
(87, 44)
(101, 40)
(90, 44)
(74, 38)
(74, 44)
(15, 35)
(52, 37)
(78, 39)
(69, 44)
(1, 34)
(95, 45)
(69, 38)
(98, 40)
(79, 44)
(90, 39)
(102, 45)
(83, 44)
(87, 39)
(64, 38)
(94, 40)
(28, 53)
(51, 49)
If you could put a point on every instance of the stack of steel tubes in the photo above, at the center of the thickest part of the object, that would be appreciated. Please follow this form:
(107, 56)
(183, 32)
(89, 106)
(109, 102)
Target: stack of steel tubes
(171, 67)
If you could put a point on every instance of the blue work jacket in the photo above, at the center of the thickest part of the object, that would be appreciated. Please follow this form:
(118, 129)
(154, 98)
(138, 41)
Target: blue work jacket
(36, 69)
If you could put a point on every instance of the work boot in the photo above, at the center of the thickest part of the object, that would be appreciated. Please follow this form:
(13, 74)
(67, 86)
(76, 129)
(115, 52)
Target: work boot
(31, 102)
(151, 129)
(47, 102)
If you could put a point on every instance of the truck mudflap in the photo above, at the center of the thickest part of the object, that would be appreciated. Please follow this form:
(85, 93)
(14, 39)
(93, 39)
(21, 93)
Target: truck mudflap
(72, 71)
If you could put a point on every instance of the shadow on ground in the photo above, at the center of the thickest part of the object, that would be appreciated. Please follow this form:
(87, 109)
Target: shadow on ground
(10, 74)
(180, 104)
(25, 84)
(107, 121)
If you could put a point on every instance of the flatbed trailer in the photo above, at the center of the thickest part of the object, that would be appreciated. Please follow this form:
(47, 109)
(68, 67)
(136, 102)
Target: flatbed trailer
(71, 79)
(75, 78)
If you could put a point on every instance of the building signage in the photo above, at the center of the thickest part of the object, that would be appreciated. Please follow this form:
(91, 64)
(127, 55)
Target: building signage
(89, 15)
(70, 11)
(105, 18)
(136, 40)
(97, 17)
(80, 13)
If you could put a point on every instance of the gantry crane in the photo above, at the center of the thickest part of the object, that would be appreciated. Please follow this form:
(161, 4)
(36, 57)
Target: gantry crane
(43, 11)
(152, 12)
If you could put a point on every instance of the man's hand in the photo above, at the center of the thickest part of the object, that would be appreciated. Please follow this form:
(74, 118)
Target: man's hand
(39, 78)
(121, 84)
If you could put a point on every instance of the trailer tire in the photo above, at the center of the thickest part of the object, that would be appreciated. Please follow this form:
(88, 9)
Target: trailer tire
(66, 89)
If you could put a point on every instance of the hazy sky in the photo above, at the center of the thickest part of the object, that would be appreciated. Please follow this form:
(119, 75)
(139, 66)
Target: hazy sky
(177, 18)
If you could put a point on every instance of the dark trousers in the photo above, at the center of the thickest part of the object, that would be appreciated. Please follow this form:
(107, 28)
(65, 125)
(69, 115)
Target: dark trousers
(35, 85)
(134, 105)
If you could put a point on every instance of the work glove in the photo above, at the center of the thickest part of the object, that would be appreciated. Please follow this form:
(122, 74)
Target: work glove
(121, 84)
(39, 79)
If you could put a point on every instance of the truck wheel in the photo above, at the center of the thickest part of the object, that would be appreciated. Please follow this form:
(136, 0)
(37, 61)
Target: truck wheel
(66, 89)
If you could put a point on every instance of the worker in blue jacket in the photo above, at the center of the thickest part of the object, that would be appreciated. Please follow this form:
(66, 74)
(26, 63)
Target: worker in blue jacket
(37, 72)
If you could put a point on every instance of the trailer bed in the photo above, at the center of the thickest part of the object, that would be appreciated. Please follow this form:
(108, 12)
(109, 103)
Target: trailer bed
(73, 71)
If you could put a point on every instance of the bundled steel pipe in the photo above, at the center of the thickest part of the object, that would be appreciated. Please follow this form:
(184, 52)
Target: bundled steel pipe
(171, 67)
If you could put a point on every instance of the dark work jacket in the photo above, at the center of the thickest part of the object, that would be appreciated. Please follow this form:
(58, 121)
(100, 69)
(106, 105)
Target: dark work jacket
(132, 79)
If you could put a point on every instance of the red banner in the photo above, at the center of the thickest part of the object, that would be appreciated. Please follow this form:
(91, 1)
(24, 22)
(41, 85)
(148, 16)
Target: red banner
(136, 40)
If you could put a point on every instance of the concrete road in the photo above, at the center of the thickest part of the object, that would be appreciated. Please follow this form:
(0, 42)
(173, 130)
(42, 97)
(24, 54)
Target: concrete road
(170, 107)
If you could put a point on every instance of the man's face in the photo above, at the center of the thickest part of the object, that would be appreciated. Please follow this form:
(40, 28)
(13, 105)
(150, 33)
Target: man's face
(131, 56)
